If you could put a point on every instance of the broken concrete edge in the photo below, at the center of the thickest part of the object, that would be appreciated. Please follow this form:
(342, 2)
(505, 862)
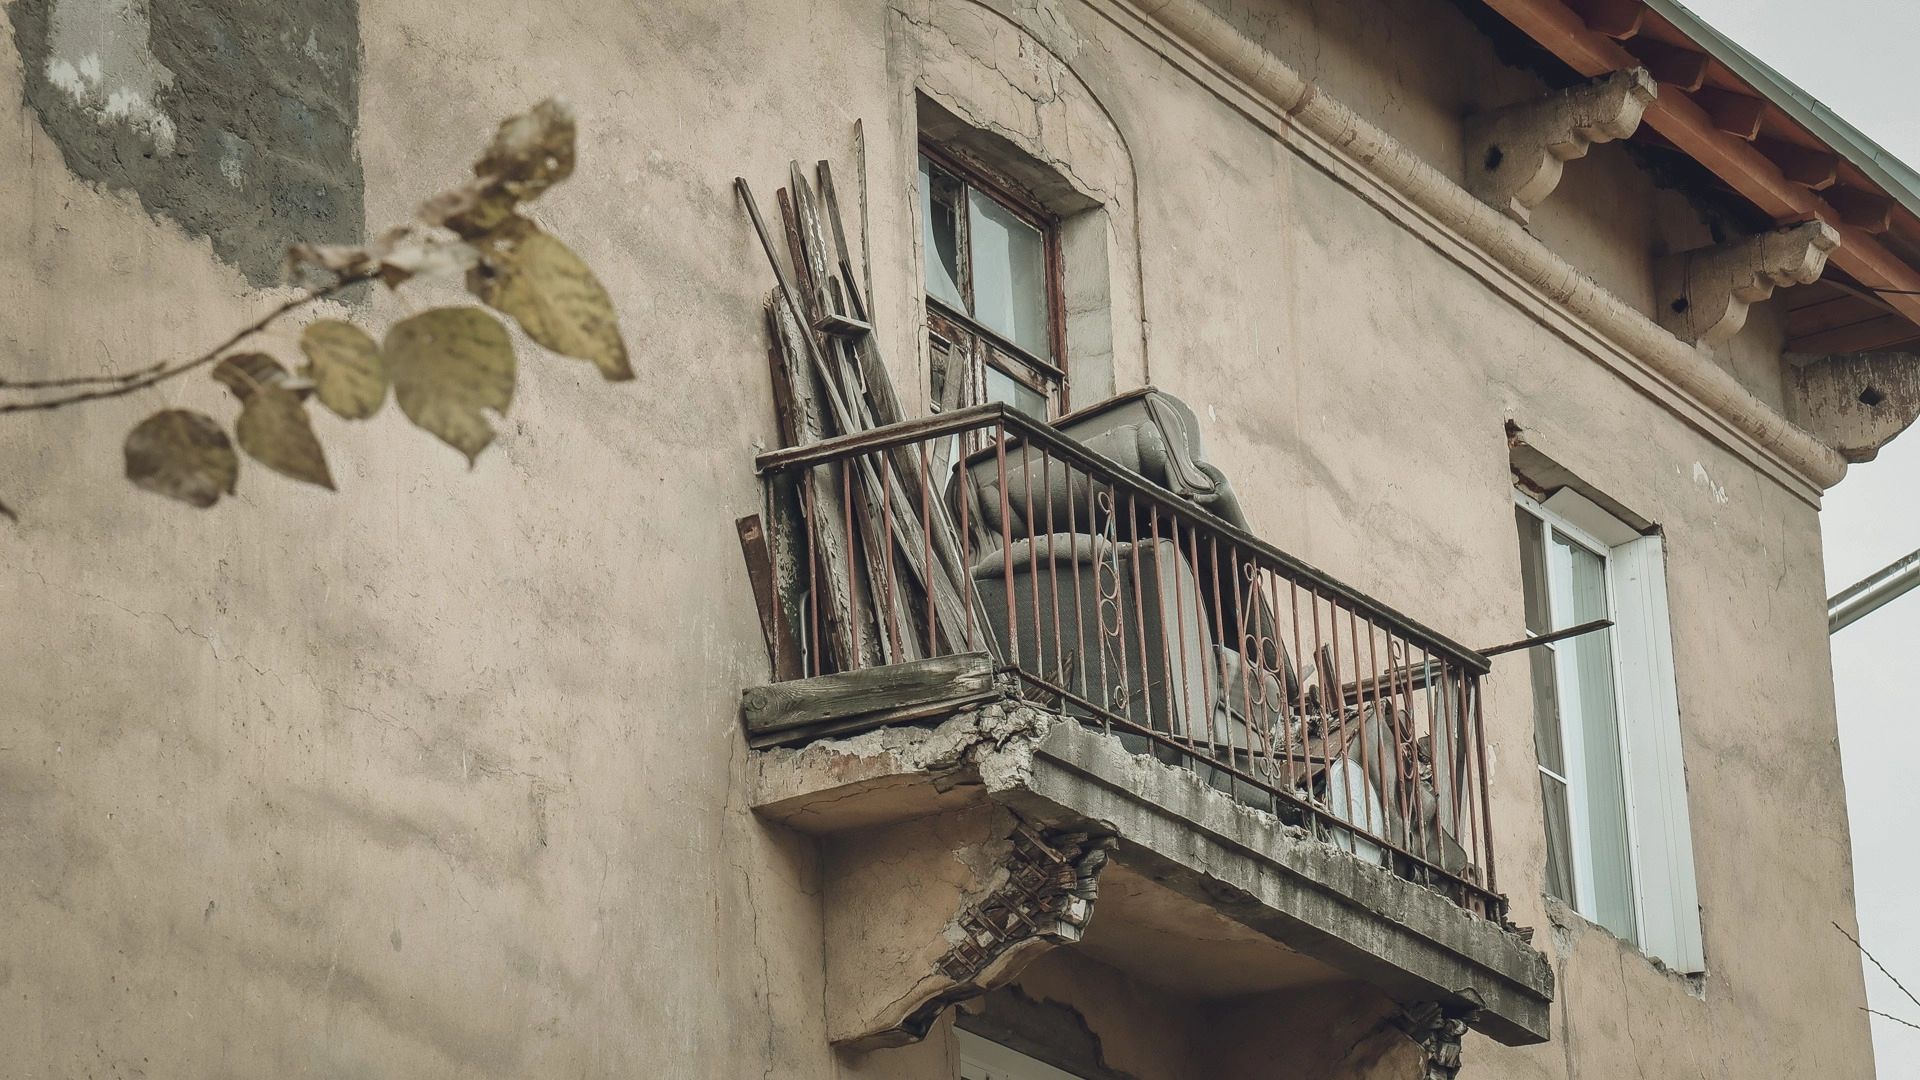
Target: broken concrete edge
(1025, 908)
(1411, 941)
(1274, 878)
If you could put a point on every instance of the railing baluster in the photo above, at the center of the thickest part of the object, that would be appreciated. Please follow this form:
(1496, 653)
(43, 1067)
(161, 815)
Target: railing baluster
(926, 553)
(1079, 600)
(1006, 546)
(1139, 613)
(895, 646)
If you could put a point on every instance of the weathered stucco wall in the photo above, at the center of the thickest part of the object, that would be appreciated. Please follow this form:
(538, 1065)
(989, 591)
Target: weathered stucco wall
(438, 776)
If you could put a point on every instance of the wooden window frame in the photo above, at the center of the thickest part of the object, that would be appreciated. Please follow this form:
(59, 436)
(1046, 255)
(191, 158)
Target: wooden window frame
(1057, 385)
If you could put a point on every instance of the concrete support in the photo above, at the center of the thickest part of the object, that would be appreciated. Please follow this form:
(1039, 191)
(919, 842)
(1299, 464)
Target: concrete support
(922, 832)
(1439, 1031)
(1704, 294)
(1856, 403)
(937, 911)
(1515, 155)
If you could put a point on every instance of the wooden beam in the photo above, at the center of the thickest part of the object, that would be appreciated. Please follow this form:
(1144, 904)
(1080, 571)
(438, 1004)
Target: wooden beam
(1864, 210)
(1672, 65)
(783, 653)
(864, 698)
(1618, 19)
(1736, 162)
(1880, 333)
(1831, 314)
(1815, 170)
(1735, 114)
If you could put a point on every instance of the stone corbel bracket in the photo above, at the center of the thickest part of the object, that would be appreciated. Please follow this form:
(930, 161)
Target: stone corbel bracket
(1040, 896)
(1855, 403)
(1438, 1031)
(1515, 154)
(1704, 294)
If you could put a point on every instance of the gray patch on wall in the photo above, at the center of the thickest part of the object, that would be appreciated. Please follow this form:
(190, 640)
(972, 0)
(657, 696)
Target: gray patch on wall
(234, 118)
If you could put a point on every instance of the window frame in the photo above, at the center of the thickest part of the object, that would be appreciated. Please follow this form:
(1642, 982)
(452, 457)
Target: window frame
(983, 1059)
(1573, 743)
(1054, 382)
(1654, 800)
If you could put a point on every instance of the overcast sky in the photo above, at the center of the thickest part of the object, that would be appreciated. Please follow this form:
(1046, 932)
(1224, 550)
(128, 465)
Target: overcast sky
(1857, 57)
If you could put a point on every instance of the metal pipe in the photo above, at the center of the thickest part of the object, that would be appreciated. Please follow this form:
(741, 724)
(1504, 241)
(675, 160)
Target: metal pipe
(1557, 635)
(1873, 592)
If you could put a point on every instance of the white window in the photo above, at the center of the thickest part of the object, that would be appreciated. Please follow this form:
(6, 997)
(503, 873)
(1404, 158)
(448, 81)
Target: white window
(983, 1059)
(1607, 726)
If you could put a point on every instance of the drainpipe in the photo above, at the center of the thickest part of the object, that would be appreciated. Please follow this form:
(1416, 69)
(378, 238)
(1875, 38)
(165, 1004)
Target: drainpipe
(1872, 592)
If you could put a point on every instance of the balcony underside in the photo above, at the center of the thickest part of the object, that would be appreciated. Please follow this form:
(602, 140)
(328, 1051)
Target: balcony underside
(1201, 894)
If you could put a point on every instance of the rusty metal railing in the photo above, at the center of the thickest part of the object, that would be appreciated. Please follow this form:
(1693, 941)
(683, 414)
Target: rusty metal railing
(1117, 601)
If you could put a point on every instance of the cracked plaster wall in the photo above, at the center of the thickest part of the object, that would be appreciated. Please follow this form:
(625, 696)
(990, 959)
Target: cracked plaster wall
(440, 775)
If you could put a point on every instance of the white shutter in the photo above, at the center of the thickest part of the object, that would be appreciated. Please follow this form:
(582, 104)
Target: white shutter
(1650, 710)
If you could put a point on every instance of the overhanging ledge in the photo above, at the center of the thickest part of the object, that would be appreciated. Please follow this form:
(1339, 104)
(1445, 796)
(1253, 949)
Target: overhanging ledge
(1054, 773)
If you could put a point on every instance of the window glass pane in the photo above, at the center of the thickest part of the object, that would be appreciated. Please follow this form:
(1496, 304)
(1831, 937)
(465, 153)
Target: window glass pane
(940, 234)
(1546, 711)
(1009, 275)
(1004, 387)
(1585, 669)
(1533, 571)
(1546, 689)
(1553, 795)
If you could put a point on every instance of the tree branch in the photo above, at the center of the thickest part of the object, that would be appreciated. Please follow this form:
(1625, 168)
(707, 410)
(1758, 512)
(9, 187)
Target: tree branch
(141, 378)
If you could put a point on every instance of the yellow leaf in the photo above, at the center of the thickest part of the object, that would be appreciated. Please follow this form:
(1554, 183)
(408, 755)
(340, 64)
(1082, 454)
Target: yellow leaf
(345, 366)
(273, 429)
(531, 152)
(243, 373)
(182, 455)
(448, 364)
(556, 299)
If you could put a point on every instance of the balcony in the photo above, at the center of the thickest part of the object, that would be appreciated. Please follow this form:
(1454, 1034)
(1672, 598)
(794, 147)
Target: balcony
(1059, 648)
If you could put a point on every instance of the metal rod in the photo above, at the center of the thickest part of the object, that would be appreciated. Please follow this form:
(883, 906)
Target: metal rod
(1558, 635)
(1873, 592)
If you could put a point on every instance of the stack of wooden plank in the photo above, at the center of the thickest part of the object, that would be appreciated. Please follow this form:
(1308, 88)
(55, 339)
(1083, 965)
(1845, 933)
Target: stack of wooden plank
(862, 565)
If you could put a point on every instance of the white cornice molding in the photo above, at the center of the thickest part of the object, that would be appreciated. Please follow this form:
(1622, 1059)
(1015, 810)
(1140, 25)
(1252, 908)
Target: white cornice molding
(1374, 165)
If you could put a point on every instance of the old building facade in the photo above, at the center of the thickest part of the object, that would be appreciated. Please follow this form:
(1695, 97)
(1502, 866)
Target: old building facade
(1465, 322)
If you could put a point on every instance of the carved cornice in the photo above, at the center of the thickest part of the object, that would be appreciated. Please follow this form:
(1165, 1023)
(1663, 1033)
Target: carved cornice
(1516, 265)
(1857, 402)
(1515, 154)
(1704, 294)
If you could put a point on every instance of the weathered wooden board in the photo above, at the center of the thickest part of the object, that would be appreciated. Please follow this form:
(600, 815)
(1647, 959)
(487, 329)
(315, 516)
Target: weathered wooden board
(783, 653)
(854, 725)
(922, 684)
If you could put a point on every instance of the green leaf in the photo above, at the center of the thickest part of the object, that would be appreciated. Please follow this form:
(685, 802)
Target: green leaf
(345, 366)
(243, 373)
(182, 455)
(556, 299)
(447, 365)
(273, 429)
